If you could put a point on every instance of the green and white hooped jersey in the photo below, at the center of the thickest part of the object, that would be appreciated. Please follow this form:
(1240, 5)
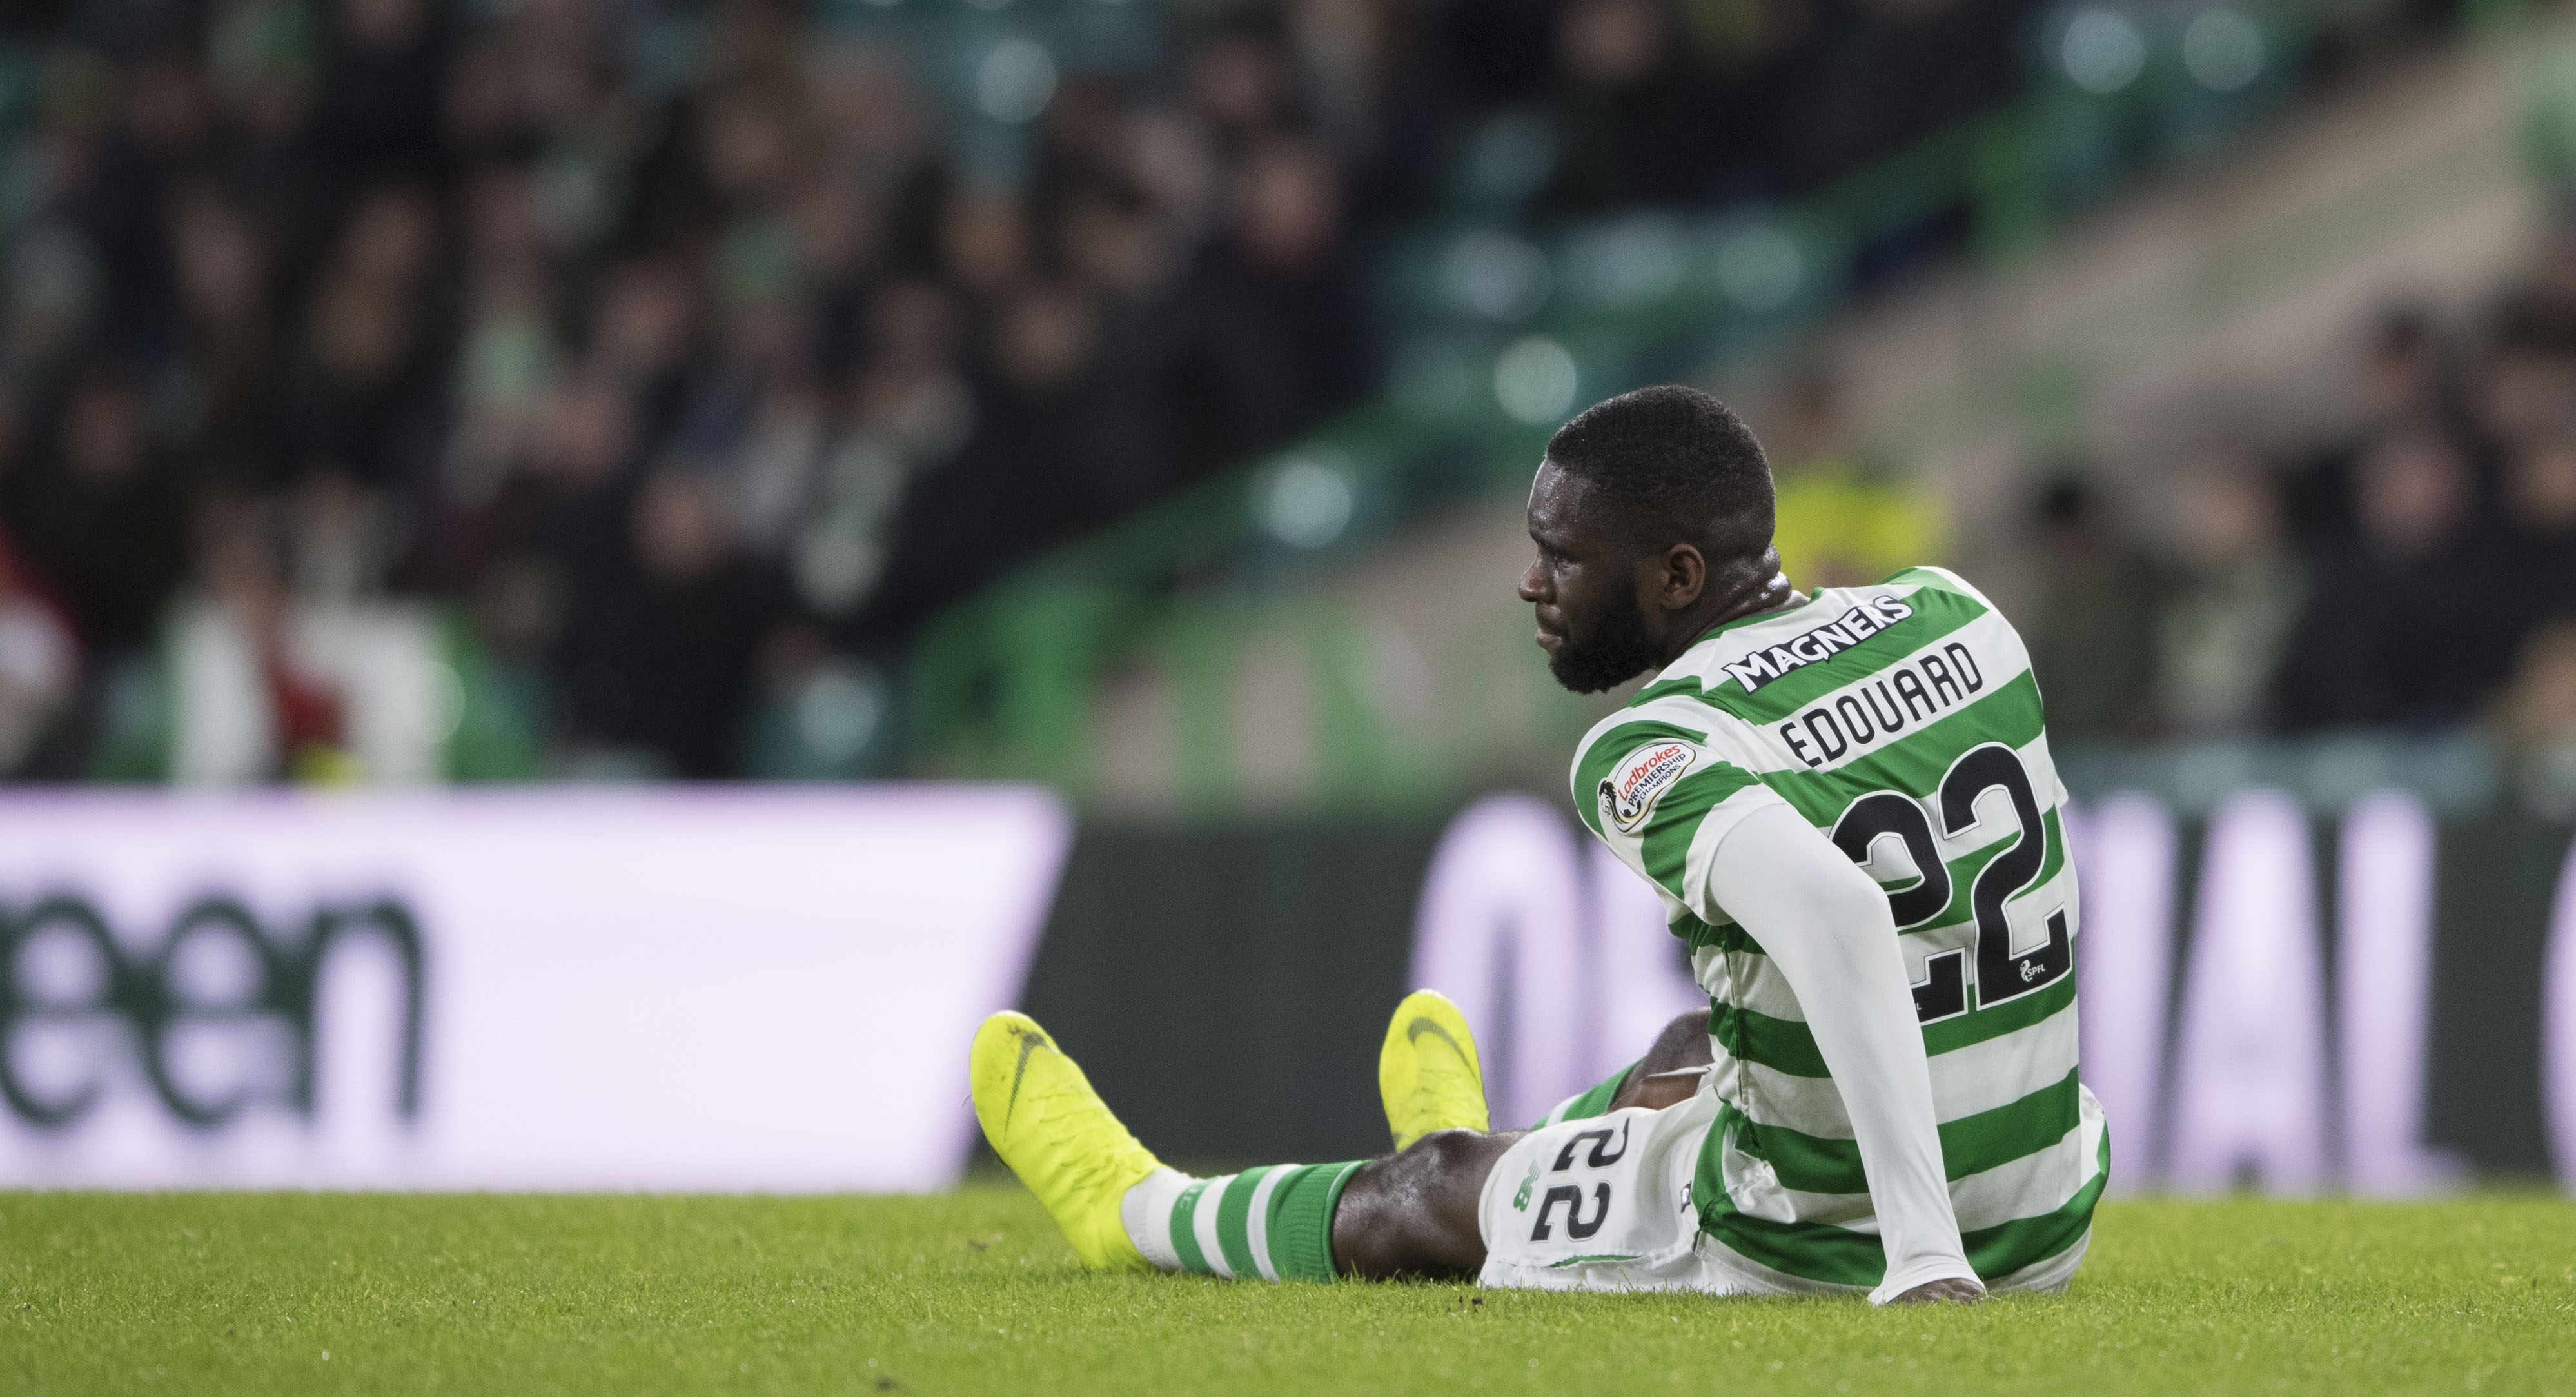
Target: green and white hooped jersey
(1901, 719)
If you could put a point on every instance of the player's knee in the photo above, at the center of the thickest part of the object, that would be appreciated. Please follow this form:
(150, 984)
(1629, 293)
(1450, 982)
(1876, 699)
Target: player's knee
(1414, 1213)
(1402, 1215)
(1447, 1153)
(1434, 1169)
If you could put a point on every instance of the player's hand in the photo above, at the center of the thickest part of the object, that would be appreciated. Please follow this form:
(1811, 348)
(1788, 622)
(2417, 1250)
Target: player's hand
(1953, 1289)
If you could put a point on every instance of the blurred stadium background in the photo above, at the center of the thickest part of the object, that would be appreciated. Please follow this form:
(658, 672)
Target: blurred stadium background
(1117, 414)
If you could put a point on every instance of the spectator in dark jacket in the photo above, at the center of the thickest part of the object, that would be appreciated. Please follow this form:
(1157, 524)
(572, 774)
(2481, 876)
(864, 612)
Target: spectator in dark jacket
(103, 514)
(2402, 623)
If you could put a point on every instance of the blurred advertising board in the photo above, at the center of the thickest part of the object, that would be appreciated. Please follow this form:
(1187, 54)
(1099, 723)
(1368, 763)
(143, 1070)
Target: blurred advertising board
(772, 989)
(2373, 999)
(572, 988)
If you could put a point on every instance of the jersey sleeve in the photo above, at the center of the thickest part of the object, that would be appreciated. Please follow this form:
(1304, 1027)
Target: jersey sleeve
(1653, 790)
(1827, 928)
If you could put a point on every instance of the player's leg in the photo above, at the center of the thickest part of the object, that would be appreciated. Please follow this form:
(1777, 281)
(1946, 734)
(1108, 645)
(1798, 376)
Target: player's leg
(1409, 1214)
(1598, 1197)
(1413, 1213)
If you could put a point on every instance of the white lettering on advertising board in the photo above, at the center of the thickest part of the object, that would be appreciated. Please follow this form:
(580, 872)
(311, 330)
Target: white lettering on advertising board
(553, 989)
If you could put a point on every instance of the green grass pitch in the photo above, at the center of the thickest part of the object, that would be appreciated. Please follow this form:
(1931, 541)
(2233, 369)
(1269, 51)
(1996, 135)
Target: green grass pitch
(973, 1292)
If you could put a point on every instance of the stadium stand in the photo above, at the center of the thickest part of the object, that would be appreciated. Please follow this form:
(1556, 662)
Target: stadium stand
(405, 391)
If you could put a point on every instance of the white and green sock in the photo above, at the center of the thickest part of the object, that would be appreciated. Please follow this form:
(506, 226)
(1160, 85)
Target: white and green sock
(1274, 1223)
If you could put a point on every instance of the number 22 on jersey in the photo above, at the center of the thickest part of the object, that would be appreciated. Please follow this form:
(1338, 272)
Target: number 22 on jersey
(2002, 972)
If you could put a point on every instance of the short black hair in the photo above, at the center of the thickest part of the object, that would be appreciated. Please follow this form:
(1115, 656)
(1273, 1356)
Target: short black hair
(1678, 463)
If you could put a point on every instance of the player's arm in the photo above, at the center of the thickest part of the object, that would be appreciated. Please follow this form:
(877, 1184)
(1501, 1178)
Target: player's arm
(1826, 925)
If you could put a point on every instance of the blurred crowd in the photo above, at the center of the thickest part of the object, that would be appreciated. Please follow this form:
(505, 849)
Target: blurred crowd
(406, 389)
(2415, 575)
(614, 368)
(679, 393)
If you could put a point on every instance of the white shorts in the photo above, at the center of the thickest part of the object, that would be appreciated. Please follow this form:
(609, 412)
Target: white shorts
(1605, 1204)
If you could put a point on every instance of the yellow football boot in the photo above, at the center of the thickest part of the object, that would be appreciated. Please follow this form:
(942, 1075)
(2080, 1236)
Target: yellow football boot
(1054, 1131)
(1427, 1073)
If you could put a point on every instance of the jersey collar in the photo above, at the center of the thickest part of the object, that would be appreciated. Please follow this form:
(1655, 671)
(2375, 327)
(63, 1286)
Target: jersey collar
(1755, 619)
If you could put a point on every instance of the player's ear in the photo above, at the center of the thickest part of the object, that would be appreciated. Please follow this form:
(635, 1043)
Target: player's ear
(1685, 576)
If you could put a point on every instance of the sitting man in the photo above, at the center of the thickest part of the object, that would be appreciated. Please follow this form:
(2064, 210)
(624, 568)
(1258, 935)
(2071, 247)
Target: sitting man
(1846, 801)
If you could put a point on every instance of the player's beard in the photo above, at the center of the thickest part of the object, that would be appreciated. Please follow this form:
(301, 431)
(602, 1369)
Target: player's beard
(1617, 650)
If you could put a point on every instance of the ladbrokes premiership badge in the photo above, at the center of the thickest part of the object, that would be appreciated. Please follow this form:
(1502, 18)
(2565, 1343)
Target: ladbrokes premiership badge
(1630, 790)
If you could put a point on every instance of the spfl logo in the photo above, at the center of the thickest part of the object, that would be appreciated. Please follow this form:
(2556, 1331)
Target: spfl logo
(1629, 792)
(68, 985)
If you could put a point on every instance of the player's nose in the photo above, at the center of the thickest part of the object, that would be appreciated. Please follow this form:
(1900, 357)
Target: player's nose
(1533, 587)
